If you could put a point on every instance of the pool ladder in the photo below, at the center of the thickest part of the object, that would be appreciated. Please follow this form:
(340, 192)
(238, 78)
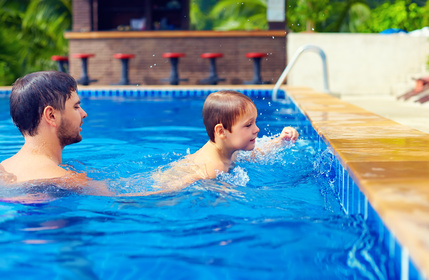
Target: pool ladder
(301, 50)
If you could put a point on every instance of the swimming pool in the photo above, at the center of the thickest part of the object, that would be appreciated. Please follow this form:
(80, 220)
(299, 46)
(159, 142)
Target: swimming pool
(278, 217)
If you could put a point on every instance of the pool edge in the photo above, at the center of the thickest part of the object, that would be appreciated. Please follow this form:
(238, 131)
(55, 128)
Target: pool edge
(389, 162)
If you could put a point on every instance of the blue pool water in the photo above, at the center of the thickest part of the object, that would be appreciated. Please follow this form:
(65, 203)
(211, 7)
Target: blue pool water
(274, 218)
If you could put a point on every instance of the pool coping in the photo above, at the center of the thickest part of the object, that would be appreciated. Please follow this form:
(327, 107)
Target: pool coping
(387, 161)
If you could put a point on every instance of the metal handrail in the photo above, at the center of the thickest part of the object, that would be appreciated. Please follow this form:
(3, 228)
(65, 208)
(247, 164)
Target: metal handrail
(302, 49)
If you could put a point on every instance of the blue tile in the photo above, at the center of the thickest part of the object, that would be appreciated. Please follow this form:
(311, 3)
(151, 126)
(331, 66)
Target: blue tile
(413, 273)
(362, 204)
(354, 200)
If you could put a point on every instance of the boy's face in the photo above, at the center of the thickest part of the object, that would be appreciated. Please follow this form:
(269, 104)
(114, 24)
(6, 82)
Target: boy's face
(244, 132)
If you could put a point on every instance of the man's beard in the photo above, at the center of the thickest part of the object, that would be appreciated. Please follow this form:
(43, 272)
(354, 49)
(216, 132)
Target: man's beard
(66, 136)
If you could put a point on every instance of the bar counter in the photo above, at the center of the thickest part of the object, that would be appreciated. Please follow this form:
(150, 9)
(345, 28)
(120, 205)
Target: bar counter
(149, 67)
(172, 34)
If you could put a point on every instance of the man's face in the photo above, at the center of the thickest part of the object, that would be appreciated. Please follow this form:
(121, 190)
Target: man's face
(71, 120)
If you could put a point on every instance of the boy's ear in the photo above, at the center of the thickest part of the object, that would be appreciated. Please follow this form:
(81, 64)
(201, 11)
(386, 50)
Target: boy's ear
(50, 115)
(219, 131)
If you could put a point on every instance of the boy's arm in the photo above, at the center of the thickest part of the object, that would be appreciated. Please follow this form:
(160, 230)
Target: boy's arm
(287, 134)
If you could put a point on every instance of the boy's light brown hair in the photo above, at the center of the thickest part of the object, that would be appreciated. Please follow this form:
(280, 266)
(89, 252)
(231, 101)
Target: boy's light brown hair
(224, 107)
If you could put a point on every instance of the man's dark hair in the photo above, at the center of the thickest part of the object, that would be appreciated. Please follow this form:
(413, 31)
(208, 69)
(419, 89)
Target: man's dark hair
(31, 94)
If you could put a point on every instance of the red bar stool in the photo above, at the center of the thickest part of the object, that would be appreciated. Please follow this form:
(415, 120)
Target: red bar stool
(174, 61)
(257, 79)
(84, 78)
(213, 79)
(124, 64)
(62, 61)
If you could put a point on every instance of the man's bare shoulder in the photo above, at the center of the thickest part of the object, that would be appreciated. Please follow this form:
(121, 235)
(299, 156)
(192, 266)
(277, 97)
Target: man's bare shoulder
(31, 169)
(6, 177)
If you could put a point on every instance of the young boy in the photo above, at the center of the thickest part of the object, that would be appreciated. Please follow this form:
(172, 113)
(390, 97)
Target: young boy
(230, 121)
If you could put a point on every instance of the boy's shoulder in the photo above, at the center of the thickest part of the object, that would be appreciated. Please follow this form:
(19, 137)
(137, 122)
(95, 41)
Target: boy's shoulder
(209, 165)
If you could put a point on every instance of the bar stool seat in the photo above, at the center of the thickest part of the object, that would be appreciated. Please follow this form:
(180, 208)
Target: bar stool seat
(83, 55)
(62, 62)
(256, 56)
(211, 55)
(173, 55)
(213, 78)
(174, 61)
(84, 79)
(124, 57)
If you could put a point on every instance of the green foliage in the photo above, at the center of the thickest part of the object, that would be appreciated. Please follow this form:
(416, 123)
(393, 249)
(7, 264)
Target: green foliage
(402, 14)
(228, 15)
(199, 14)
(307, 15)
(348, 16)
(241, 15)
(30, 33)
(313, 15)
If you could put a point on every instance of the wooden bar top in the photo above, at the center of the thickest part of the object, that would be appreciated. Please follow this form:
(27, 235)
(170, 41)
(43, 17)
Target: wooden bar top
(172, 34)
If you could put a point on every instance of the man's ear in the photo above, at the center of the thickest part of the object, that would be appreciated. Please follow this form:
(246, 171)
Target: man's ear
(219, 131)
(51, 116)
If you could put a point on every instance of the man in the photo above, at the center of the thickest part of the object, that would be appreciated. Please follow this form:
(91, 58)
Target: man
(46, 109)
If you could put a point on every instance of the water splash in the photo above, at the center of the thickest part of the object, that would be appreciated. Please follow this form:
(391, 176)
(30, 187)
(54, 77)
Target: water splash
(265, 152)
(238, 176)
(324, 165)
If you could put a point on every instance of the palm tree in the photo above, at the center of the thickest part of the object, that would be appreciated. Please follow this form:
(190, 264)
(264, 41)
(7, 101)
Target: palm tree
(30, 33)
(302, 15)
(199, 14)
(349, 16)
(240, 15)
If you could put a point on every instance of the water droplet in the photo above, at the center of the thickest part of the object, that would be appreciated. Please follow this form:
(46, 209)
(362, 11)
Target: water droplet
(153, 55)
(150, 66)
(154, 64)
(273, 37)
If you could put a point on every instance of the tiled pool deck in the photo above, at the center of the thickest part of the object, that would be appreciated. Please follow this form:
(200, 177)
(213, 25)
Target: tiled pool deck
(386, 161)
